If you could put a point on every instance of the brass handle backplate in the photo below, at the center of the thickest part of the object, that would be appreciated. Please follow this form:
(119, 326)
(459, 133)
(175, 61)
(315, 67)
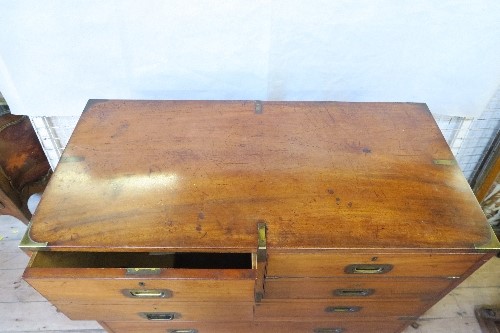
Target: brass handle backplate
(328, 330)
(159, 316)
(353, 292)
(147, 293)
(337, 309)
(368, 269)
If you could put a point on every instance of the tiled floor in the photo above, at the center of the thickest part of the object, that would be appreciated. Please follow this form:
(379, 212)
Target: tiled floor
(23, 310)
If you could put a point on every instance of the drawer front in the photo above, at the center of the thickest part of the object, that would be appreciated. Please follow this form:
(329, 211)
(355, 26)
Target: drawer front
(389, 325)
(369, 288)
(180, 327)
(172, 312)
(355, 265)
(336, 309)
(143, 290)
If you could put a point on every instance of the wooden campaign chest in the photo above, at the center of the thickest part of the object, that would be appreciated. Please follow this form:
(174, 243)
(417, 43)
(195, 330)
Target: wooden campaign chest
(199, 217)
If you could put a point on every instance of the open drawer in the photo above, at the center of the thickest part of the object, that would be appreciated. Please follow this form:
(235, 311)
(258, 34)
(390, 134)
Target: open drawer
(142, 277)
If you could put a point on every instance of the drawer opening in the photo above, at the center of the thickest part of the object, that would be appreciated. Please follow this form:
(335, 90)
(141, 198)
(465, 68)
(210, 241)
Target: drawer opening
(187, 260)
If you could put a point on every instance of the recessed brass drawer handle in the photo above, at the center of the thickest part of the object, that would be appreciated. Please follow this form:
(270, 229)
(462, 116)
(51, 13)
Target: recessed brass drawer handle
(368, 269)
(342, 309)
(192, 330)
(328, 330)
(159, 316)
(353, 292)
(147, 293)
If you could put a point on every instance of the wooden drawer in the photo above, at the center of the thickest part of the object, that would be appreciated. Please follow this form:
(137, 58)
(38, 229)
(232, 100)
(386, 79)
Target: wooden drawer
(139, 278)
(336, 309)
(179, 287)
(369, 288)
(389, 325)
(180, 327)
(159, 312)
(336, 264)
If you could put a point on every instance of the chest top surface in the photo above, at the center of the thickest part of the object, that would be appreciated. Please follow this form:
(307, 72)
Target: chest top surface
(199, 175)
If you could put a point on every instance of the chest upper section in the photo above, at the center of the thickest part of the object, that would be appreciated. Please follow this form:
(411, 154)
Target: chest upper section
(158, 175)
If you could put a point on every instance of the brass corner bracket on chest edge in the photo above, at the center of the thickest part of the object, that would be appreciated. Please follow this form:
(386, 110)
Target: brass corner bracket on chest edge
(27, 244)
(261, 260)
(492, 245)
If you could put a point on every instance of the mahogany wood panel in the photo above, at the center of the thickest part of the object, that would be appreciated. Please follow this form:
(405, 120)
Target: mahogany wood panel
(106, 291)
(302, 310)
(185, 311)
(200, 175)
(333, 264)
(321, 288)
(390, 325)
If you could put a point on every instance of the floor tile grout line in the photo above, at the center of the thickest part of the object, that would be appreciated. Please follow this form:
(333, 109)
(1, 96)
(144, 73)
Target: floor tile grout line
(478, 287)
(24, 302)
(59, 331)
(445, 318)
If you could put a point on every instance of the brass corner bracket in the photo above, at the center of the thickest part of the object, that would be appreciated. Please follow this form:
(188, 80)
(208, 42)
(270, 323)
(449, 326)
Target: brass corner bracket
(492, 245)
(261, 261)
(262, 244)
(445, 162)
(27, 244)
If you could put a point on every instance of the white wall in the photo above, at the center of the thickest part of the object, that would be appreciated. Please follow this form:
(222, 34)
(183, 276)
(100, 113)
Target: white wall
(55, 55)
